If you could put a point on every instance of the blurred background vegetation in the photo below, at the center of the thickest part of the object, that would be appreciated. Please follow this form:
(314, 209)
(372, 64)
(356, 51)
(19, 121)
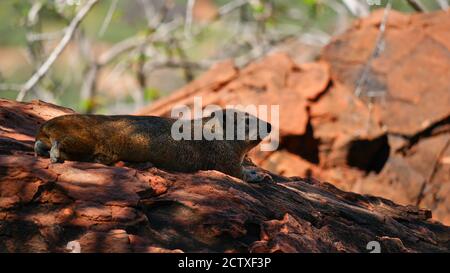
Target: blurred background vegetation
(127, 53)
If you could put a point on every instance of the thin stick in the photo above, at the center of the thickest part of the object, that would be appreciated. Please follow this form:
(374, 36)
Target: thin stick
(376, 51)
(131, 43)
(108, 18)
(189, 19)
(357, 8)
(40, 73)
(433, 172)
(46, 36)
(231, 6)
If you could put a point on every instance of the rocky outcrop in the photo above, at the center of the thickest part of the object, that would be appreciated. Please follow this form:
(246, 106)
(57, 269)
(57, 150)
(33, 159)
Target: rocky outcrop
(408, 84)
(367, 117)
(52, 207)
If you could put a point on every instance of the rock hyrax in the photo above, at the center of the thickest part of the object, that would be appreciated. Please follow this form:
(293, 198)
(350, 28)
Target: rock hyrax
(109, 139)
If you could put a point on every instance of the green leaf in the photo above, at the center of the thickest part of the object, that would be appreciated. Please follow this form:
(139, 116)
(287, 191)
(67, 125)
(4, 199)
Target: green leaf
(151, 94)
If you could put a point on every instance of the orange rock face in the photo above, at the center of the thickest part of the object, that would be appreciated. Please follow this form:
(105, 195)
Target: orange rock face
(410, 82)
(412, 69)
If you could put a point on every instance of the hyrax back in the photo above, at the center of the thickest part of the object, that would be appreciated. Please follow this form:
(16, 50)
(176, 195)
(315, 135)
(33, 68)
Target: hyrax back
(108, 139)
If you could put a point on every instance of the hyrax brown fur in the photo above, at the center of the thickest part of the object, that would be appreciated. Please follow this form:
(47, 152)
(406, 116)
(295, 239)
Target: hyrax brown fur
(109, 139)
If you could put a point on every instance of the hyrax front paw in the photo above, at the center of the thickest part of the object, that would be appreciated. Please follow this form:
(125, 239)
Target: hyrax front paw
(55, 153)
(253, 176)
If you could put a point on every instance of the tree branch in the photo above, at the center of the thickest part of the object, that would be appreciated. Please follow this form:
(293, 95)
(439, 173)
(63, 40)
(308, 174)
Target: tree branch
(433, 172)
(108, 17)
(231, 6)
(377, 50)
(189, 18)
(40, 73)
(357, 8)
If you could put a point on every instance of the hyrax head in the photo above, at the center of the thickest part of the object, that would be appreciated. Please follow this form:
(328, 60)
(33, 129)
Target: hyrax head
(242, 126)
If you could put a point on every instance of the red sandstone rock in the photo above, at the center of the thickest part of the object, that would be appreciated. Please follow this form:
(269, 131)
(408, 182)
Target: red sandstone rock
(44, 207)
(412, 74)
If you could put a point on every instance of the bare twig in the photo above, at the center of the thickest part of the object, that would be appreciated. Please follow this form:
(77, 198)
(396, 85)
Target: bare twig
(317, 38)
(120, 48)
(88, 88)
(37, 76)
(141, 75)
(231, 6)
(33, 14)
(433, 171)
(108, 17)
(148, 10)
(35, 48)
(155, 19)
(189, 18)
(162, 31)
(417, 5)
(262, 49)
(177, 64)
(357, 8)
(188, 75)
(46, 36)
(376, 52)
(153, 25)
(136, 42)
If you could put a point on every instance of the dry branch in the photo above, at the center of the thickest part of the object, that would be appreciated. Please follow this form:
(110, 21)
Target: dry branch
(108, 17)
(378, 47)
(44, 68)
(189, 19)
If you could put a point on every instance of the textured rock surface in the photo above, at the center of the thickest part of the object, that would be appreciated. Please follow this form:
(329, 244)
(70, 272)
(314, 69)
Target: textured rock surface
(410, 82)
(45, 206)
(392, 140)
